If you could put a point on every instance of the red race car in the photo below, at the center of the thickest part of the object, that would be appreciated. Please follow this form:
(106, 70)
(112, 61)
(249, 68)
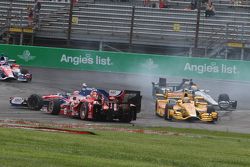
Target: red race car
(95, 105)
(9, 70)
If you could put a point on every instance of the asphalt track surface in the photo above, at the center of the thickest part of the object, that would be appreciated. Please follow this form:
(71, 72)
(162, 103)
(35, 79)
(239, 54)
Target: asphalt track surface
(46, 81)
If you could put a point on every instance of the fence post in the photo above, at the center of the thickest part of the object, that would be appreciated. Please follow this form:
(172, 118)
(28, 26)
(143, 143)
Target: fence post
(100, 46)
(227, 37)
(70, 22)
(132, 27)
(242, 42)
(197, 24)
(21, 26)
(8, 21)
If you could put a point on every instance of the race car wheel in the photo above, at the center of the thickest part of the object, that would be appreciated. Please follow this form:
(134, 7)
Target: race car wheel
(54, 107)
(84, 109)
(234, 104)
(215, 120)
(109, 116)
(167, 113)
(223, 97)
(127, 117)
(210, 109)
(96, 112)
(2, 75)
(35, 102)
(24, 71)
(134, 115)
(156, 107)
(224, 101)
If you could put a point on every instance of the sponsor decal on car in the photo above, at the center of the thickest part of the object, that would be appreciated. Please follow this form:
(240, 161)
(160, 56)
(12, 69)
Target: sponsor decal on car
(17, 100)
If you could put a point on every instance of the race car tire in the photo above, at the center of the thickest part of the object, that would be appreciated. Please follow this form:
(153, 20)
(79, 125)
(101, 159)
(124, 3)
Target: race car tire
(24, 71)
(223, 97)
(167, 114)
(234, 104)
(35, 102)
(127, 118)
(156, 106)
(210, 109)
(2, 75)
(109, 116)
(224, 101)
(215, 120)
(54, 107)
(84, 109)
(96, 112)
(134, 115)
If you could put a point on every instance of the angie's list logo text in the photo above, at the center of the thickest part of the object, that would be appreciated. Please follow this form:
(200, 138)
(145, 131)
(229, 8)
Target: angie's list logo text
(211, 68)
(87, 59)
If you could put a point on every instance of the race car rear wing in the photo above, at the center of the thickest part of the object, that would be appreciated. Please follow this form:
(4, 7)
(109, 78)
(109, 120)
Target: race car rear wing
(161, 86)
(127, 97)
(134, 97)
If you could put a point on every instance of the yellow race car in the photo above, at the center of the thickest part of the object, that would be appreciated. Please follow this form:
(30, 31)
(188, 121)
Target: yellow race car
(184, 106)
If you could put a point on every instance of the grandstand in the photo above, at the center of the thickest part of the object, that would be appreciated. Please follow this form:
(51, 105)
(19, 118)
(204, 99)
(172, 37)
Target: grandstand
(129, 24)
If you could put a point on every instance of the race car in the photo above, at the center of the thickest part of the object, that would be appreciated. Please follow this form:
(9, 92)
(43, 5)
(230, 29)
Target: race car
(223, 102)
(184, 106)
(9, 70)
(95, 105)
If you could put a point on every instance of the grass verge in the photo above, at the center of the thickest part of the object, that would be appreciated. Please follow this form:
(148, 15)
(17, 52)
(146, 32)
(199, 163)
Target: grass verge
(168, 148)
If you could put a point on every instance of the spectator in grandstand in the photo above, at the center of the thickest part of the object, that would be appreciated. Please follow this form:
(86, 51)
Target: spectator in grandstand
(193, 4)
(75, 2)
(146, 3)
(163, 4)
(210, 10)
(235, 2)
(238, 2)
(30, 16)
(153, 5)
(37, 6)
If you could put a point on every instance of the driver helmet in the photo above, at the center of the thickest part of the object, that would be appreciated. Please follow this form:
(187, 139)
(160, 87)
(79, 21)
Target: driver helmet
(194, 87)
(2, 57)
(15, 65)
(185, 100)
(186, 84)
(75, 93)
(93, 94)
(84, 85)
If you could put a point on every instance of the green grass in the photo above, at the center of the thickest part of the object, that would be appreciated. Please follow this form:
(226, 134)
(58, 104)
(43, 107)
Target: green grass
(175, 147)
